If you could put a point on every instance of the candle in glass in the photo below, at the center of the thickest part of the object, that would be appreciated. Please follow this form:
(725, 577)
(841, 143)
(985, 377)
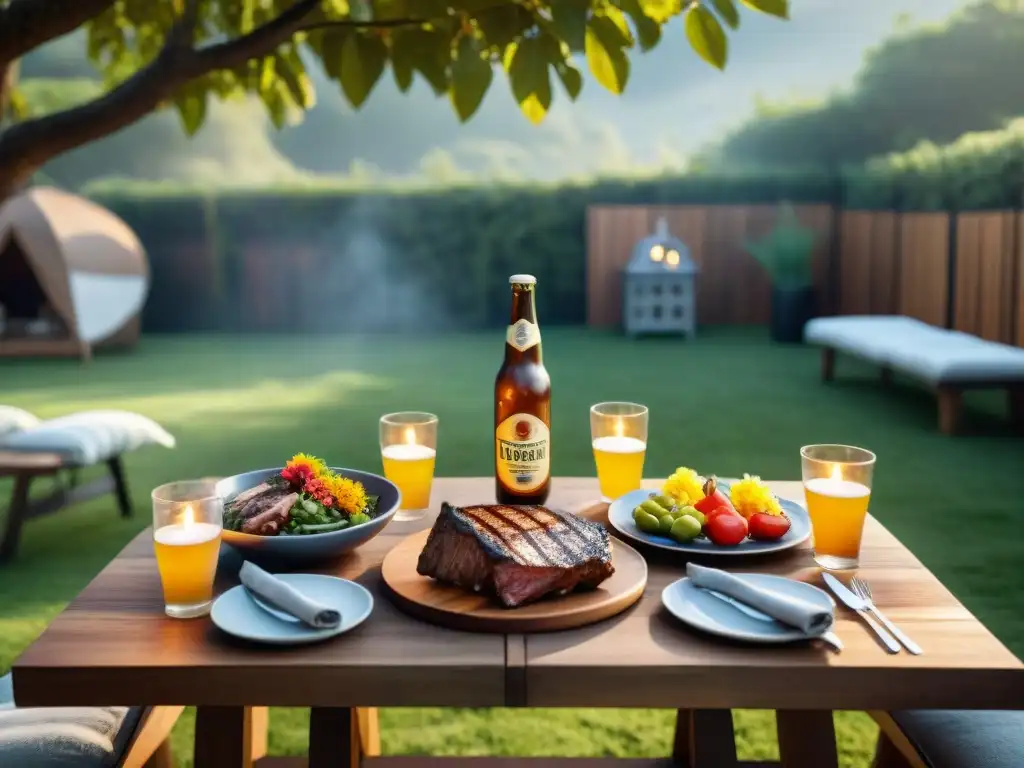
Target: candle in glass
(837, 486)
(618, 433)
(408, 449)
(187, 522)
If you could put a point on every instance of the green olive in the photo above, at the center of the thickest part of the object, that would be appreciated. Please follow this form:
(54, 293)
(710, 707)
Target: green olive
(637, 511)
(652, 507)
(665, 524)
(647, 523)
(663, 501)
(693, 512)
(685, 529)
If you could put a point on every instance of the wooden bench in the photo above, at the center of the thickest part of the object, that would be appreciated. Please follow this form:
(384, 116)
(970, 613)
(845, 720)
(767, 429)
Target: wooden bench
(27, 467)
(950, 362)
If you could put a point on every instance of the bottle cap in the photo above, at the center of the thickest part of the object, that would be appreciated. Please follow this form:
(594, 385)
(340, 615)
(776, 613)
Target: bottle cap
(522, 280)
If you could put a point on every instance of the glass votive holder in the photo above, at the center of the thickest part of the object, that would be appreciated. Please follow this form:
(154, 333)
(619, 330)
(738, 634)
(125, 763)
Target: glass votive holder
(837, 486)
(618, 434)
(187, 523)
(408, 449)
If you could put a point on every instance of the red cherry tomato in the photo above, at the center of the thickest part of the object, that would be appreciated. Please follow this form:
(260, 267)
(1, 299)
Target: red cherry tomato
(726, 530)
(768, 527)
(713, 498)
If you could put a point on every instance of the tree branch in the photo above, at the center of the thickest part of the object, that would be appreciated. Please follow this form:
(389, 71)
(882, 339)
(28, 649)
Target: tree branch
(27, 24)
(258, 43)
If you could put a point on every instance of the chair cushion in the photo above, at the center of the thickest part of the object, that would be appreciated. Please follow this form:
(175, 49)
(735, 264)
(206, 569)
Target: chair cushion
(63, 737)
(965, 739)
(932, 354)
(14, 420)
(88, 437)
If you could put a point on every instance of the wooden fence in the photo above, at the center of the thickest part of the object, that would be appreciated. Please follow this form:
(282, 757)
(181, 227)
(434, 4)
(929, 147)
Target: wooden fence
(963, 271)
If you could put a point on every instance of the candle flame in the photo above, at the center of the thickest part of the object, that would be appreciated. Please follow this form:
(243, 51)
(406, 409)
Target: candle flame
(620, 428)
(188, 517)
(410, 436)
(836, 472)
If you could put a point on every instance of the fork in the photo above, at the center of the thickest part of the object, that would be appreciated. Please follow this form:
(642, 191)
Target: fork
(863, 591)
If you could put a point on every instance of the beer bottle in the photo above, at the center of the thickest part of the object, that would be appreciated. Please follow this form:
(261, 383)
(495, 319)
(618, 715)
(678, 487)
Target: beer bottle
(522, 406)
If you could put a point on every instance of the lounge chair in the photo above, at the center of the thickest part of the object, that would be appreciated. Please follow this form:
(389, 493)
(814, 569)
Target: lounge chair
(948, 361)
(58, 448)
(83, 737)
(950, 739)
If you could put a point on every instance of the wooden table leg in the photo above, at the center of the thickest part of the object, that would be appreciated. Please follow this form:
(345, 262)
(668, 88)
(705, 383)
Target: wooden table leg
(950, 402)
(807, 739)
(334, 740)
(704, 738)
(828, 364)
(225, 736)
(16, 513)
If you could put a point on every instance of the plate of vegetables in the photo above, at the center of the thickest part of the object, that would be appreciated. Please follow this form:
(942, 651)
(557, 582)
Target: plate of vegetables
(305, 510)
(702, 515)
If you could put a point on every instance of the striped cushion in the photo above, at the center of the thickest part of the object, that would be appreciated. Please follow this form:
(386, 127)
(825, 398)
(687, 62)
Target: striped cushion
(14, 420)
(88, 437)
(62, 737)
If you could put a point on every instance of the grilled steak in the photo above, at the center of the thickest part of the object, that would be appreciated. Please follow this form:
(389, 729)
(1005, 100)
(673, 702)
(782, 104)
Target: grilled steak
(519, 553)
(272, 518)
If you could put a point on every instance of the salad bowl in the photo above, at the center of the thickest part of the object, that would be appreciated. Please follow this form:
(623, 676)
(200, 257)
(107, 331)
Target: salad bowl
(300, 550)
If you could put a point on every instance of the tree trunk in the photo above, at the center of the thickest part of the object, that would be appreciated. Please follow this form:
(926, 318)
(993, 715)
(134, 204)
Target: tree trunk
(10, 179)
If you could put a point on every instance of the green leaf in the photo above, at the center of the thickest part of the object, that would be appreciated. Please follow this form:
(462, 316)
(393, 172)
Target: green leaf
(661, 11)
(471, 77)
(569, 21)
(706, 36)
(647, 30)
(779, 8)
(293, 73)
(528, 75)
(192, 109)
(332, 43)
(18, 105)
(502, 24)
(619, 19)
(727, 10)
(605, 57)
(571, 78)
(425, 51)
(362, 62)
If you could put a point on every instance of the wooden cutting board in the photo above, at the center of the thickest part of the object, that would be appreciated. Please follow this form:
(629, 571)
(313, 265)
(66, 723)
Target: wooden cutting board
(456, 608)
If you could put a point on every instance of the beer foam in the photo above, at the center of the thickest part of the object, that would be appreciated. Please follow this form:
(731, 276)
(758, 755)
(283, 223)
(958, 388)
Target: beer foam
(183, 535)
(840, 489)
(613, 444)
(407, 452)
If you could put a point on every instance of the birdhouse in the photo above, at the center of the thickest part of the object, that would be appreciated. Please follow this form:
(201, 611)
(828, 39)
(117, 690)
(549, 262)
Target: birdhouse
(659, 294)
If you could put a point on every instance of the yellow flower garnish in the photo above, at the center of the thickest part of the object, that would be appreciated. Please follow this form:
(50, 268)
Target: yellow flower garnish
(685, 486)
(316, 466)
(349, 495)
(750, 496)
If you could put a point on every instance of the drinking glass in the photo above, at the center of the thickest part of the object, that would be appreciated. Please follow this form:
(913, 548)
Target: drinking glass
(187, 522)
(618, 432)
(837, 485)
(408, 447)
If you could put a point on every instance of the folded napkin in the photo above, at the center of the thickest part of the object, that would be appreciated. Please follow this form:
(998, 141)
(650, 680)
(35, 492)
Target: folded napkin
(805, 616)
(286, 598)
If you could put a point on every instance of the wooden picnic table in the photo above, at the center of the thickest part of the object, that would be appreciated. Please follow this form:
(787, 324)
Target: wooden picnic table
(113, 645)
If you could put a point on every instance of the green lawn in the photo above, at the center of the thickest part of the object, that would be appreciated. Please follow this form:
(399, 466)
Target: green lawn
(728, 403)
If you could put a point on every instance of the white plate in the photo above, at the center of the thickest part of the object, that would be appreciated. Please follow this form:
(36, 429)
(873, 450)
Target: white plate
(620, 515)
(235, 612)
(698, 608)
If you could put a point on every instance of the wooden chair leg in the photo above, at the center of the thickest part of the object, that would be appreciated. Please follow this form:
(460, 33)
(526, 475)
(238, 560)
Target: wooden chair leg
(894, 749)
(368, 719)
(887, 755)
(151, 746)
(16, 513)
(828, 364)
(162, 756)
(124, 500)
(950, 405)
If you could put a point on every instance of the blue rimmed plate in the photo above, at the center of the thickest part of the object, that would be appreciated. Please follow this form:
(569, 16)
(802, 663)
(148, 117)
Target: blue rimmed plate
(620, 515)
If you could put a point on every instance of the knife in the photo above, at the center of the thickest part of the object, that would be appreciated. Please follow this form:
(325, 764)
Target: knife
(828, 637)
(858, 604)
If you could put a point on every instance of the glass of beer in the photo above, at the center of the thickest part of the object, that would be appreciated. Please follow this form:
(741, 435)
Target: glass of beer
(187, 523)
(408, 447)
(618, 432)
(837, 485)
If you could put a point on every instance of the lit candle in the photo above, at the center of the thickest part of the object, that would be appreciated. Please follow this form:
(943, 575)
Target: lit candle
(408, 450)
(836, 487)
(187, 532)
(619, 443)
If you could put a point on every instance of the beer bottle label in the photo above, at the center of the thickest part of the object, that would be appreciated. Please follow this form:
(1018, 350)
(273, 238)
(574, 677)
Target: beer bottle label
(523, 334)
(523, 445)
